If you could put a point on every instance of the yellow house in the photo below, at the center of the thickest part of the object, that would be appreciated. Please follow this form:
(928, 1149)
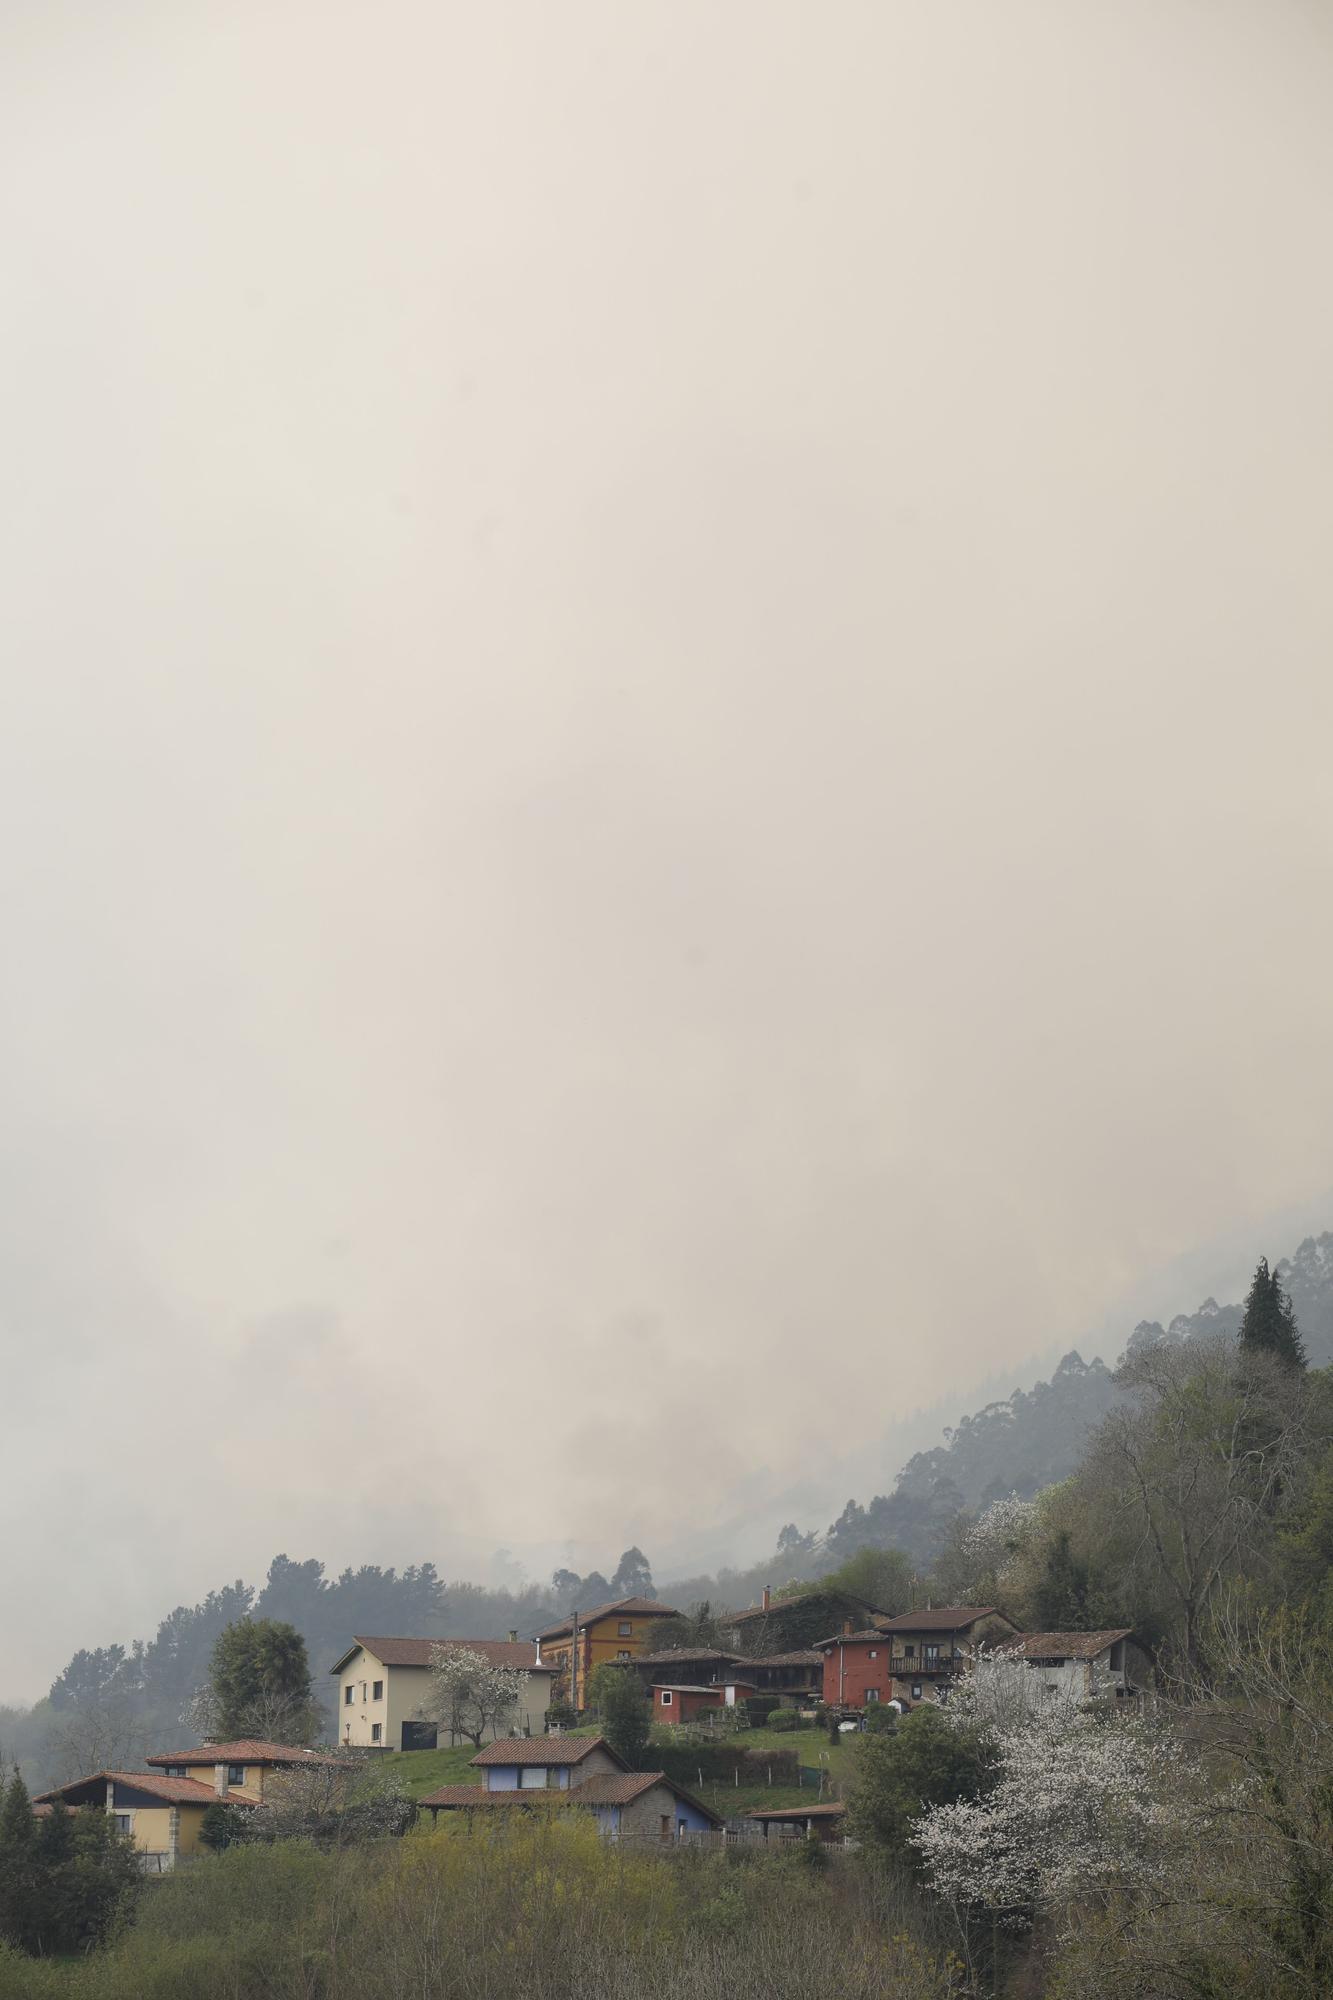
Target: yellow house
(588, 1639)
(383, 1685)
(162, 1809)
(161, 1815)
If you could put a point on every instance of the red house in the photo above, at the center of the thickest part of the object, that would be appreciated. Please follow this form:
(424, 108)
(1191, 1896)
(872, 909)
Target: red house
(856, 1669)
(673, 1702)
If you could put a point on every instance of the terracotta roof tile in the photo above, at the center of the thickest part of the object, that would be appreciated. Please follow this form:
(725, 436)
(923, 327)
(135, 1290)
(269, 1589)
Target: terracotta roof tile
(477, 1795)
(943, 1618)
(671, 1654)
(1064, 1645)
(623, 1787)
(628, 1607)
(244, 1750)
(804, 1656)
(830, 1810)
(547, 1750)
(172, 1791)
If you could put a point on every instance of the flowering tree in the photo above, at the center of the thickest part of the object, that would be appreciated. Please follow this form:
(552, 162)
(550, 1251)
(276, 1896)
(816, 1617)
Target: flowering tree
(468, 1696)
(1000, 1532)
(1080, 1801)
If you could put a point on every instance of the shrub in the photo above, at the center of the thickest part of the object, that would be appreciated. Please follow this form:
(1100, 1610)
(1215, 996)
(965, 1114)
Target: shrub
(784, 1719)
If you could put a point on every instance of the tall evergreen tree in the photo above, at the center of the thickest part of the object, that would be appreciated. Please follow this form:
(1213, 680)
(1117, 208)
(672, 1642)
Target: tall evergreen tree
(1269, 1325)
(18, 1866)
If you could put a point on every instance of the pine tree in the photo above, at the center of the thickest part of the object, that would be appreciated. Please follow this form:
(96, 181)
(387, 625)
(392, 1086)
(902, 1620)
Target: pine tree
(1269, 1325)
(1062, 1599)
(18, 1866)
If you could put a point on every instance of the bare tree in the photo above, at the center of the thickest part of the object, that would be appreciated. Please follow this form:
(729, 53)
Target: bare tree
(334, 1798)
(105, 1737)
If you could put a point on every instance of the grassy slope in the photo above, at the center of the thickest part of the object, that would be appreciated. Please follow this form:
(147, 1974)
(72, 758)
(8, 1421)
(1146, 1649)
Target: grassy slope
(423, 1770)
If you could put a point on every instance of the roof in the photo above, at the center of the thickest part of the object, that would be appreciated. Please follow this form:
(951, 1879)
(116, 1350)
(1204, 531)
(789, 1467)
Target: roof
(804, 1656)
(942, 1618)
(605, 1788)
(245, 1750)
(848, 1638)
(417, 1652)
(833, 1810)
(699, 1687)
(545, 1750)
(172, 1791)
(621, 1788)
(628, 1607)
(477, 1795)
(670, 1654)
(1065, 1645)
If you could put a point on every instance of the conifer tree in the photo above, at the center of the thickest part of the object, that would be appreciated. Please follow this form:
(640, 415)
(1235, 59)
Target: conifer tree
(1269, 1325)
(18, 1865)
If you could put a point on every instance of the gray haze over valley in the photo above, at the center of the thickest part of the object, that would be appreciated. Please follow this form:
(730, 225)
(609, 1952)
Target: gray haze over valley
(664, 807)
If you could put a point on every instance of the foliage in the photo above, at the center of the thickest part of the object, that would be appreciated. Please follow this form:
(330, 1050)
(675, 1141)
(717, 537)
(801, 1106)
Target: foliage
(470, 1696)
(1269, 1325)
(535, 1909)
(1076, 1807)
(259, 1682)
(928, 1760)
(339, 1799)
(65, 1880)
(614, 1692)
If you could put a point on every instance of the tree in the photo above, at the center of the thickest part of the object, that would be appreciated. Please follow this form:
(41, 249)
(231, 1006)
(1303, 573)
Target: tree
(1306, 1549)
(20, 1919)
(927, 1760)
(1076, 1807)
(634, 1576)
(469, 1696)
(334, 1800)
(1269, 1325)
(1062, 1599)
(1201, 1461)
(220, 1826)
(614, 1692)
(260, 1683)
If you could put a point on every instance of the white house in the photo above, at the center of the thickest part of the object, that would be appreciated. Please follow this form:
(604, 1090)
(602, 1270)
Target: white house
(383, 1684)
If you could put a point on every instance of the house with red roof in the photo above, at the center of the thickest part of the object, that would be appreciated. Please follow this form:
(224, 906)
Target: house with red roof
(162, 1809)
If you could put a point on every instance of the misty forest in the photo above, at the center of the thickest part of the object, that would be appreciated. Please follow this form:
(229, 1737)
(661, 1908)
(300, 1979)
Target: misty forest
(1177, 1843)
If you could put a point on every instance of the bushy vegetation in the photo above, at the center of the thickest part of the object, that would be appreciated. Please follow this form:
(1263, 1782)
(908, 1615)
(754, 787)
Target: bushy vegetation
(542, 1910)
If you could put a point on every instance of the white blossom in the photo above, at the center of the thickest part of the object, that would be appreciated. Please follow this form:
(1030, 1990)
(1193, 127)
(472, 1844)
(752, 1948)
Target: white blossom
(1081, 1798)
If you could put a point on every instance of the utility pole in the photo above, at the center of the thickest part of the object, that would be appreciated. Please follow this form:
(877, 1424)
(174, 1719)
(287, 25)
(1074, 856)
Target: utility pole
(574, 1663)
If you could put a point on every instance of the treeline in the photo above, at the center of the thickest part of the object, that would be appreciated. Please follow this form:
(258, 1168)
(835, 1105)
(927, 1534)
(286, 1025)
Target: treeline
(113, 1704)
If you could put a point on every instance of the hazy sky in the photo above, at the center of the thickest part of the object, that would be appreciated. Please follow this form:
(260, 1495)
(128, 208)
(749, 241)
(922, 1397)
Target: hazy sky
(664, 784)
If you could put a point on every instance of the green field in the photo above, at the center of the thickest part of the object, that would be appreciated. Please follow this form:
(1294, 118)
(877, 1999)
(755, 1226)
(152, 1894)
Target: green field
(421, 1771)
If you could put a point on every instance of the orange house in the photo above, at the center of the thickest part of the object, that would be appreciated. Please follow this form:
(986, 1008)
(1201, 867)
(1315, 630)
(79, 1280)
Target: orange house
(589, 1639)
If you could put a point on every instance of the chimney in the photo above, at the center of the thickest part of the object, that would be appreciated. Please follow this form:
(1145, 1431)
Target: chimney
(767, 1598)
(220, 1780)
(848, 1627)
(538, 1644)
(513, 1638)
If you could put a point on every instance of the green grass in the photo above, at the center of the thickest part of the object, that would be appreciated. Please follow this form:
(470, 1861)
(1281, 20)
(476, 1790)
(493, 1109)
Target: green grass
(421, 1771)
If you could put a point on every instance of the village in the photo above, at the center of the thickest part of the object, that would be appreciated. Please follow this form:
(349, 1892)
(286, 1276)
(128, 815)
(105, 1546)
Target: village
(770, 1684)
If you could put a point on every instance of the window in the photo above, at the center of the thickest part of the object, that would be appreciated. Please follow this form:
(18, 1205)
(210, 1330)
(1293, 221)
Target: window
(667, 1697)
(932, 1656)
(347, 1695)
(532, 1778)
(377, 1691)
(624, 1628)
(910, 1652)
(872, 1694)
(916, 1690)
(873, 1654)
(235, 1774)
(622, 1656)
(176, 1771)
(377, 1732)
(124, 1822)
